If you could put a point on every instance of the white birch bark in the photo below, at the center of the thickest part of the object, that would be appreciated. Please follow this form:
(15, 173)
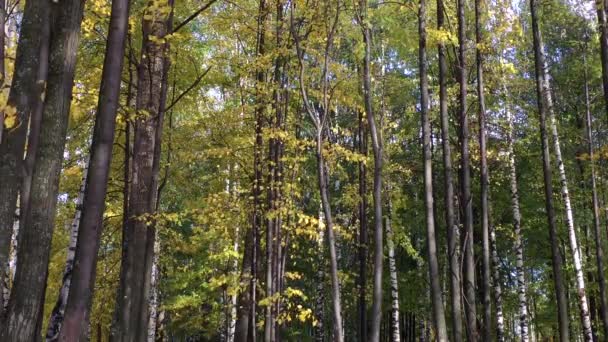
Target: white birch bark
(392, 267)
(519, 249)
(576, 254)
(153, 296)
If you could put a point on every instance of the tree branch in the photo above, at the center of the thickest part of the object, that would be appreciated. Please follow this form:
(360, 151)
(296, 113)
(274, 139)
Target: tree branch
(194, 15)
(185, 92)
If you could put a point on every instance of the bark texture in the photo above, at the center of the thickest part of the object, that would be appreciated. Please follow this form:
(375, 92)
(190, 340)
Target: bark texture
(25, 307)
(23, 96)
(132, 310)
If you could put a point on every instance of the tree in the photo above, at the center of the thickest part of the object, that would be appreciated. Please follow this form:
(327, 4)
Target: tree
(451, 226)
(556, 262)
(436, 292)
(78, 305)
(23, 98)
(139, 234)
(318, 114)
(465, 183)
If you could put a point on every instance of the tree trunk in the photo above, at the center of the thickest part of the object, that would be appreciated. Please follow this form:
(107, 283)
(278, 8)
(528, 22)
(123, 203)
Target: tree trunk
(500, 320)
(433, 263)
(319, 331)
(603, 37)
(56, 319)
(392, 268)
(2, 71)
(485, 216)
(378, 155)
(466, 200)
(153, 301)
(451, 226)
(363, 240)
(576, 252)
(77, 310)
(136, 266)
(519, 248)
(599, 254)
(23, 97)
(27, 300)
(558, 279)
(322, 175)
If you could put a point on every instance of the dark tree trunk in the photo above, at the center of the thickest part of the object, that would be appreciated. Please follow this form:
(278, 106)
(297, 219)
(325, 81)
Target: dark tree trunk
(597, 234)
(245, 329)
(485, 216)
(603, 37)
(27, 300)
(378, 155)
(451, 226)
(465, 184)
(56, 319)
(75, 325)
(558, 279)
(433, 263)
(135, 277)
(23, 97)
(363, 240)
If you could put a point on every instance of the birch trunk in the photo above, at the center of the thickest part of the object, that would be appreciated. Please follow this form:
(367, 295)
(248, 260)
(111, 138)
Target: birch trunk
(392, 268)
(153, 301)
(576, 253)
(562, 306)
(52, 332)
(519, 248)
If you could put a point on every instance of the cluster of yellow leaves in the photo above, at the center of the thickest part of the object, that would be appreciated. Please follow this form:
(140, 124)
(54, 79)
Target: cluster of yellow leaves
(436, 36)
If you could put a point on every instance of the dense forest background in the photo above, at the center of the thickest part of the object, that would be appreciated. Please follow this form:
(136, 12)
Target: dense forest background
(303, 170)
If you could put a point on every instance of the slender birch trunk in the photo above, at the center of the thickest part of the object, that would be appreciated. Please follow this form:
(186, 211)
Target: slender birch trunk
(519, 248)
(52, 332)
(576, 252)
(153, 298)
(392, 268)
(562, 306)
(500, 319)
